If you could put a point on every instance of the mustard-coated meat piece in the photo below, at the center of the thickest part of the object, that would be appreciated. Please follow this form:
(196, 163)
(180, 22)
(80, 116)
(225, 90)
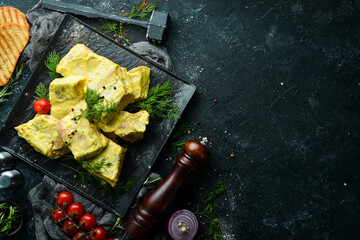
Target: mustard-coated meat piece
(128, 126)
(111, 159)
(65, 93)
(41, 133)
(106, 77)
(81, 136)
(140, 80)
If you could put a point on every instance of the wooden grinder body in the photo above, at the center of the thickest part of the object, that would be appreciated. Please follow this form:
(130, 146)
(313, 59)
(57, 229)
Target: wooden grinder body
(158, 202)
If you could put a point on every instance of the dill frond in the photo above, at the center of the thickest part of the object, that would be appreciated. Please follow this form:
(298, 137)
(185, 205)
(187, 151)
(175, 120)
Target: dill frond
(152, 182)
(96, 166)
(120, 187)
(118, 225)
(51, 63)
(41, 92)
(177, 141)
(96, 106)
(158, 102)
(141, 11)
(207, 209)
(12, 82)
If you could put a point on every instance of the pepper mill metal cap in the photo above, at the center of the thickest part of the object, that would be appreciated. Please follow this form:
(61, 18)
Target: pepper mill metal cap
(6, 161)
(10, 179)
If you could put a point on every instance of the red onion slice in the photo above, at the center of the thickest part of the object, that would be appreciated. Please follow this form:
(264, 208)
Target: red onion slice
(183, 225)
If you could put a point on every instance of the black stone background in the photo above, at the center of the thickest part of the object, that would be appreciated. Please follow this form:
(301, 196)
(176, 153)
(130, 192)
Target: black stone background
(285, 76)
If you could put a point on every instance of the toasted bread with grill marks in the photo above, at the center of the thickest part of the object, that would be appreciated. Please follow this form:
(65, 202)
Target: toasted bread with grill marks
(14, 35)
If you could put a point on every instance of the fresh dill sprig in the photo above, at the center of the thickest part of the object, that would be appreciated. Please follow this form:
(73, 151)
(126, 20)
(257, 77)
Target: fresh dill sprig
(51, 63)
(152, 182)
(118, 225)
(141, 11)
(41, 92)
(158, 102)
(96, 166)
(207, 211)
(114, 27)
(12, 82)
(85, 176)
(119, 189)
(177, 141)
(96, 106)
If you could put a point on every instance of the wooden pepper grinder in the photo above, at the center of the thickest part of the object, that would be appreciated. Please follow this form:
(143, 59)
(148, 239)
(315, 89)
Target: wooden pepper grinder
(157, 203)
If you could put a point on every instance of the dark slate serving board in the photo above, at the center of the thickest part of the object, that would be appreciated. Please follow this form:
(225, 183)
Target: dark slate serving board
(140, 156)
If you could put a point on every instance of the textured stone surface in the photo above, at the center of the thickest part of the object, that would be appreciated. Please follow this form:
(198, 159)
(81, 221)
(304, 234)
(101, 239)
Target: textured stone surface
(285, 77)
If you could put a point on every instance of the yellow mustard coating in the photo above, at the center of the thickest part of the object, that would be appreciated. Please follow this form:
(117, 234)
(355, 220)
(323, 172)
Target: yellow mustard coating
(41, 133)
(128, 126)
(81, 136)
(113, 155)
(65, 93)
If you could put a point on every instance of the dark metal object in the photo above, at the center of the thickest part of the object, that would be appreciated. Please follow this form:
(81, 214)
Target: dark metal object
(139, 158)
(156, 26)
(10, 179)
(158, 203)
(6, 161)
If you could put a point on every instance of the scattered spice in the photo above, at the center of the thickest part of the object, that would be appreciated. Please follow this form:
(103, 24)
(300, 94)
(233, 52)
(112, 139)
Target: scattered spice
(232, 155)
(215, 101)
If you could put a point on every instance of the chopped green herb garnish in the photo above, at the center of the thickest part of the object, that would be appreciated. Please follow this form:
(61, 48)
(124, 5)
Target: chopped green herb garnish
(41, 92)
(158, 102)
(51, 63)
(96, 106)
(9, 218)
(12, 82)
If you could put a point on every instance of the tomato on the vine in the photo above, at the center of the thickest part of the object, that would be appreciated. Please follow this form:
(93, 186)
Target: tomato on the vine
(64, 199)
(58, 216)
(87, 222)
(42, 106)
(98, 233)
(69, 228)
(79, 236)
(75, 211)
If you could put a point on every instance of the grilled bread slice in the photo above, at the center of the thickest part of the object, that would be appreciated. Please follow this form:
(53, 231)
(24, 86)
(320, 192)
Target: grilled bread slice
(14, 35)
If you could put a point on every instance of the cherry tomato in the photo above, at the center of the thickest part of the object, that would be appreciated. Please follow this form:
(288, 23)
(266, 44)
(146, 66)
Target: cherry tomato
(69, 228)
(64, 199)
(79, 236)
(87, 222)
(42, 106)
(98, 233)
(75, 211)
(58, 216)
